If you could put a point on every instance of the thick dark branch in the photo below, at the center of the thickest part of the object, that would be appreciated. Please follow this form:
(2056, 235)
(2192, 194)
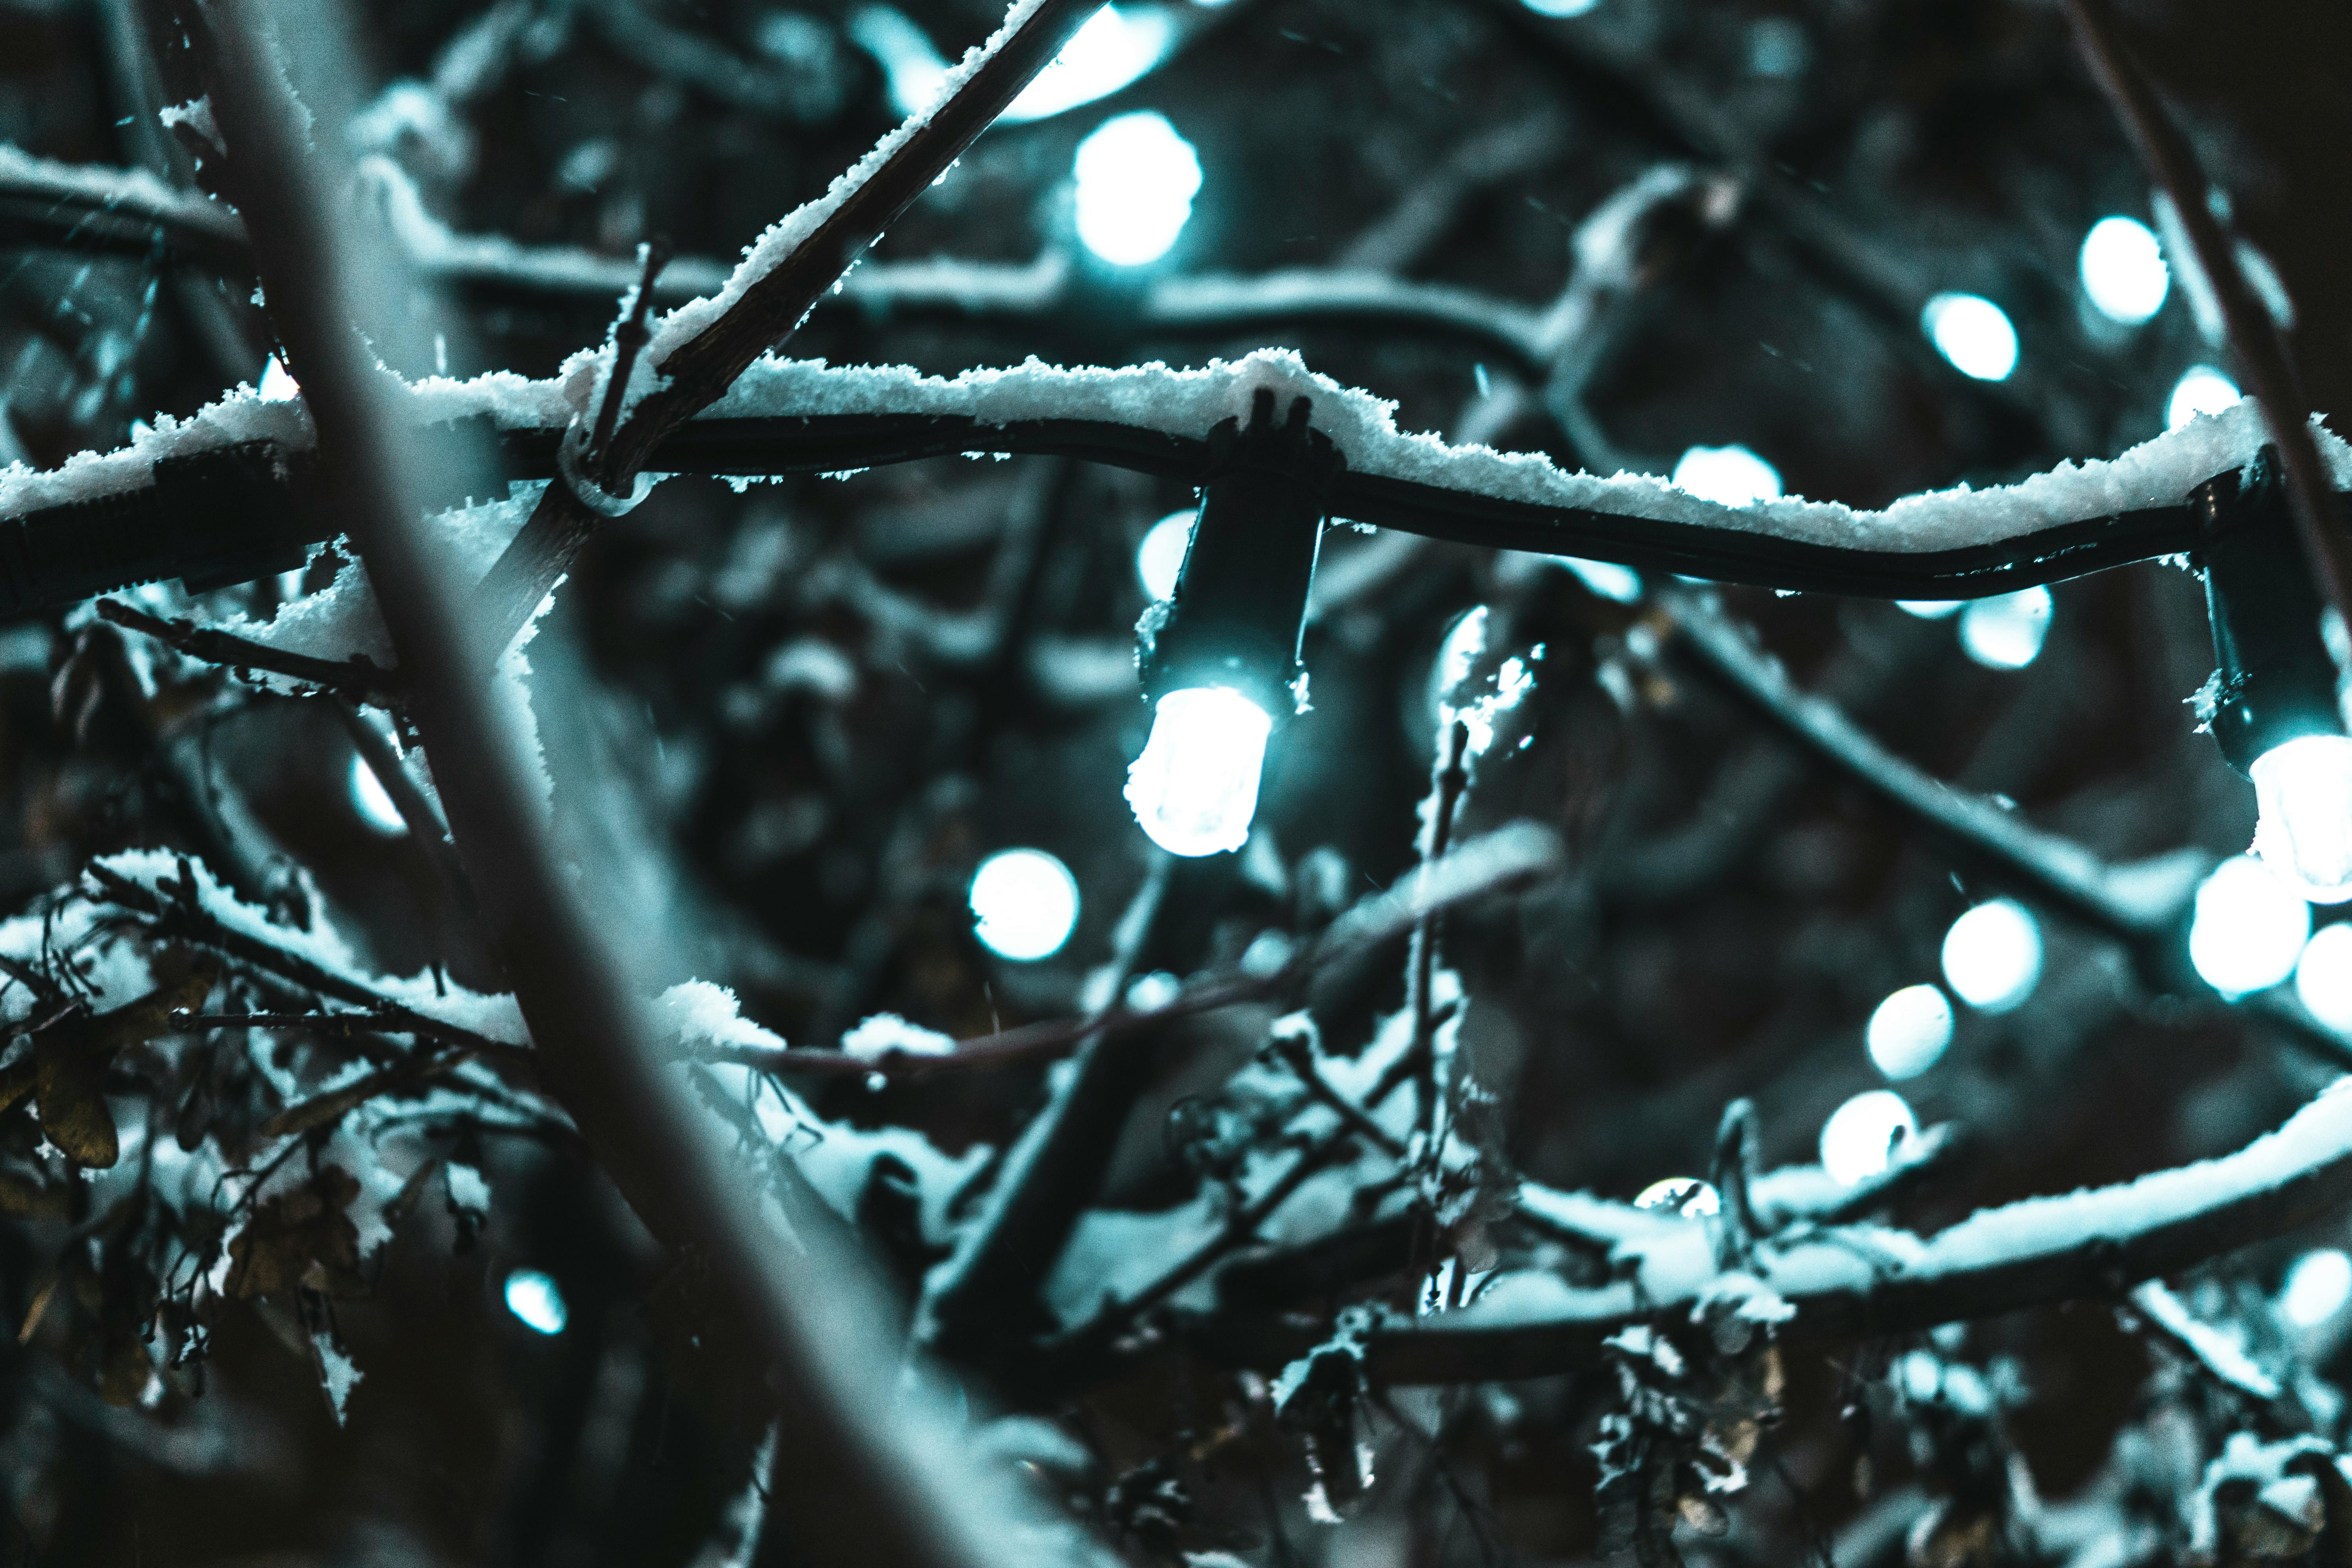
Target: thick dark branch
(2254, 338)
(850, 1484)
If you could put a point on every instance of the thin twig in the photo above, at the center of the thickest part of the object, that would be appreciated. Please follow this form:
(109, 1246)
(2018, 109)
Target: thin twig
(358, 677)
(1437, 833)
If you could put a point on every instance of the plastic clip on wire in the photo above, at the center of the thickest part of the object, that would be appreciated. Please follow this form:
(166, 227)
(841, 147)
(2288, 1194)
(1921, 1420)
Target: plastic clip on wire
(1221, 658)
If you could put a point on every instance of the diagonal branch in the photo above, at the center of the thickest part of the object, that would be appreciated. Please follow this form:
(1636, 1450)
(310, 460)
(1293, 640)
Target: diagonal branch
(2260, 352)
(785, 275)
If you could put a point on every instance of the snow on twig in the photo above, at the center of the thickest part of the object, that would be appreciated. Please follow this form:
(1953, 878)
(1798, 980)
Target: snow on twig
(1869, 1280)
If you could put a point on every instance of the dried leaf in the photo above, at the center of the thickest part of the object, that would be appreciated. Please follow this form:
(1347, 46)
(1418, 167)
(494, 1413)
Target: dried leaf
(70, 1085)
(26, 1198)
(303, 1238)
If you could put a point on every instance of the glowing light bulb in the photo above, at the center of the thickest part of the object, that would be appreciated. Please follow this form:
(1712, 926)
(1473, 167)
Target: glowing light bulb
(1195, 789)
(1728, 476)
(373, 801)
(1909, 1031)
(2317, 1287)
(1931, 609)
(2304, 832)
(1559, 7)
(1973, 332)
(2202, 390)
(2007, 632)
(1619, 584)
(1161, 556)
(1137, 178)
(2323, 977)
(535, 1299)
(1115, 47)
(1686, 1195)
(2249, 928)
(1992, 955)
(1025, 904)
(1861, 1136)
(2123, 270)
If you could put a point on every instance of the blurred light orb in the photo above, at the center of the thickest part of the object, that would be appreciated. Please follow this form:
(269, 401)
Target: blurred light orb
(1194, 788)
(277, 385)
(1931, 609)
(2202, 390)
(1728, 476)
(1137, 178)
(1992, 955)
(2249, 928)
(1161, 556)
(912, 68)
(2123, 270)
(1115, 47)
(1025, 904)
(2304, 788)
(1685, 1196)
(2007, 631)
(1909, 1031)
(1861, 1136)
(2317, 1287)
(2323, 976)
(535, 1298)
(1973, 332)
(373, 801)
(1606, 579)
(1560, 7)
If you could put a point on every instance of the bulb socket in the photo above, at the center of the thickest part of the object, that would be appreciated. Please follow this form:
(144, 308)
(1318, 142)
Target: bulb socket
(1239, 613)
(2275, 681)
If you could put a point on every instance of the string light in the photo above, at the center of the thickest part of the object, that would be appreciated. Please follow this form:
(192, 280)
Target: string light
(1728, 476)
(535, 1299)
(1973, 332)
(2304, 788)
(2248, 930)
(2007, 631)
(1992, 955)
(2124, 273)
(1219, 656)
(1136, 181)
(1861, 1137)
(1685, 1196)
(1909, 1031)
(1162, 554)
(1116, 46)
(2317, 1287)
(2323, 976)
(1025, 904)
(1194, 788)
(2203, 390)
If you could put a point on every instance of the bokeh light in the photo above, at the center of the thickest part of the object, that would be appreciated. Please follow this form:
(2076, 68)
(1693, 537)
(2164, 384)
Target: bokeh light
(1973, 332)
(2249, 928)
(1992, 955)
(1025, 904)
(1137, 178)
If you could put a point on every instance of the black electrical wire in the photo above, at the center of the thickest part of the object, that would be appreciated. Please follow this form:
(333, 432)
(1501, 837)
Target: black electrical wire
(240, 511)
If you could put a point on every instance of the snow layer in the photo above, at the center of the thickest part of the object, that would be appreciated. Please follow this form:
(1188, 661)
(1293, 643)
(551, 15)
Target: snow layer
(132, 191)
(2159, 472)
